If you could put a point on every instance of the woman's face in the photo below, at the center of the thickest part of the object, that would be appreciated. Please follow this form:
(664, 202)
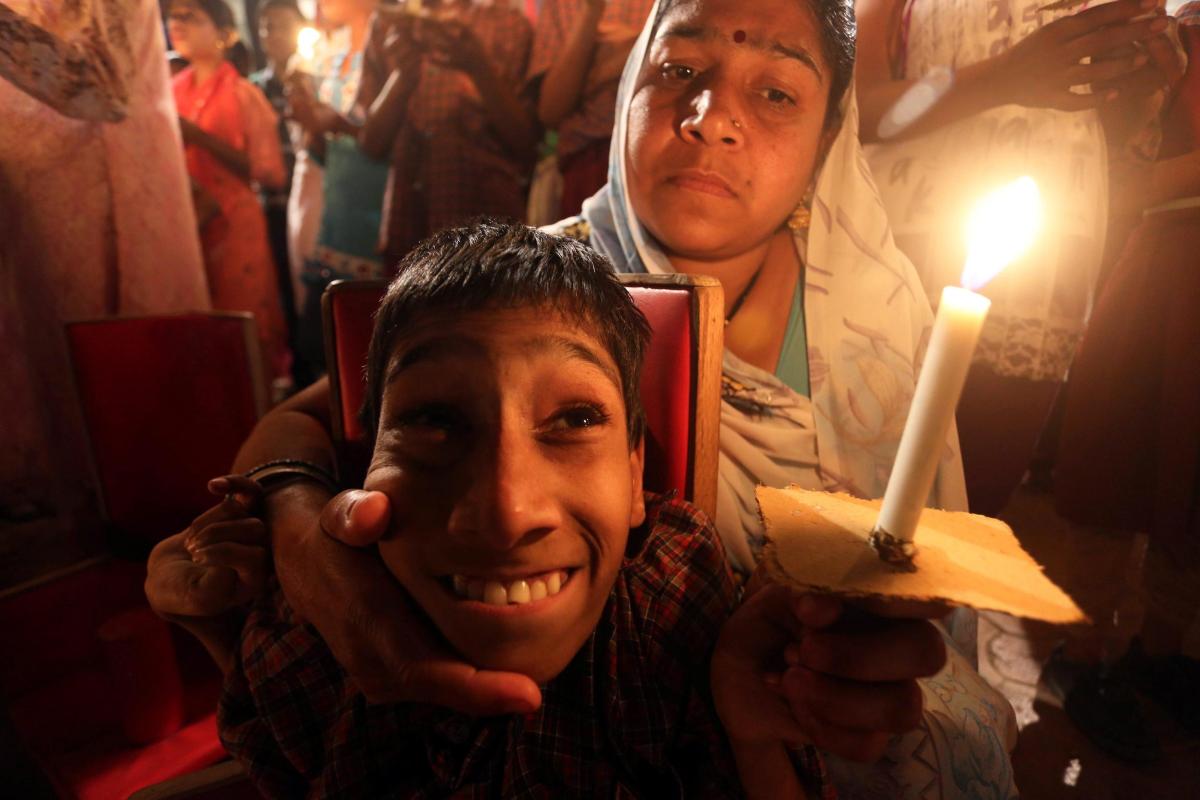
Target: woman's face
(193, 33)
(726, 123)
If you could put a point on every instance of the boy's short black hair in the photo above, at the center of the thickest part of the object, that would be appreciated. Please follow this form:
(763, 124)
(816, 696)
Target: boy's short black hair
(498, 265)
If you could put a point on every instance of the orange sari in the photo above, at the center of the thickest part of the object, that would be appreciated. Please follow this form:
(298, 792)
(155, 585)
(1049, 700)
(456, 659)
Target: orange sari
(237, 252)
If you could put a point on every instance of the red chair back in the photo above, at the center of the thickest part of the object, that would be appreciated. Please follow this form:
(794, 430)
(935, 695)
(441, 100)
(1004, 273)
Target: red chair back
(680, 382)
(167, 401)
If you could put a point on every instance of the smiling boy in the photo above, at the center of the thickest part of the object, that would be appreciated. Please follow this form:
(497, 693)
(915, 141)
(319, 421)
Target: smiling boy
(502, 387)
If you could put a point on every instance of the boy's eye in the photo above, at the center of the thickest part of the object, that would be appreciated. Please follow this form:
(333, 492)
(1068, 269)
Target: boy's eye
(434, 422)
(579, 417)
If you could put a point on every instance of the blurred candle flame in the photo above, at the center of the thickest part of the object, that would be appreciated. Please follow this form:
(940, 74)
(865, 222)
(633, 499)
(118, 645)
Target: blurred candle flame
(306, 43)
(1002, 226)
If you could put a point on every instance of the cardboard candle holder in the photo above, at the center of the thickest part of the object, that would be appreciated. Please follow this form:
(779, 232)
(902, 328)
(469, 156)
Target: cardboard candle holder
(820, 541)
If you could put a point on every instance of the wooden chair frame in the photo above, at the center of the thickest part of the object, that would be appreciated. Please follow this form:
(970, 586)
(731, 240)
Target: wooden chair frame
(708, 342)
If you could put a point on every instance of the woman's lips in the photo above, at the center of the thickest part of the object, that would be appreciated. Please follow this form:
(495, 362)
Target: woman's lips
(704, 182)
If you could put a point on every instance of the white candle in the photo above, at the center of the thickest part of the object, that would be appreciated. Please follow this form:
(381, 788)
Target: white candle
(956, 330)
(1001, 227)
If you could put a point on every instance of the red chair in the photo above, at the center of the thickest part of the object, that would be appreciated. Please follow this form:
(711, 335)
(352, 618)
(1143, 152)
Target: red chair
(107, 697)
(680, 382)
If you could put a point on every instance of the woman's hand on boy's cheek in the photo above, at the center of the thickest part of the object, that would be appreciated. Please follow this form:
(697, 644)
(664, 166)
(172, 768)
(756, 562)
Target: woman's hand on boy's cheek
(385, 644)
(357, 517)
(851, 674)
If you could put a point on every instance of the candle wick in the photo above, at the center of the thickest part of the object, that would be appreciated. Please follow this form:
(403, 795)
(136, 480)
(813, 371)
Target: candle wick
(893, 550)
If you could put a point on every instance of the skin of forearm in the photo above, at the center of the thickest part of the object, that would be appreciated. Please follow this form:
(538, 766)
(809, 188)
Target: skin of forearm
(975, 89)
(517, 130)
(562, 85)
(298, 429)
(766, 771)
(385, 118)
(1174, 178)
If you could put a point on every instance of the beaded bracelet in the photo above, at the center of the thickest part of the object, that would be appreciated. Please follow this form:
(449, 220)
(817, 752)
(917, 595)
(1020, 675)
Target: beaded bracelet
(273, 475)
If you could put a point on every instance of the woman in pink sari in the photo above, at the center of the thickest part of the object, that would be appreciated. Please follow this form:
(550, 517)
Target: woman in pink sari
(229, 133)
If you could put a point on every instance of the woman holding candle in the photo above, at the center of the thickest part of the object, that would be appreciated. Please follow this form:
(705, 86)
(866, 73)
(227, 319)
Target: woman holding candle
(734, 154)
(959, 96)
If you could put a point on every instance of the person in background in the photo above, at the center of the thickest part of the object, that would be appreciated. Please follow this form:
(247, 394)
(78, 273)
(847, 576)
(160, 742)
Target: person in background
(89, 142)
(229, 133)
(279, 24)
(342, 199)
(1129, 452)
(579, 49)
(449, 115)
(1009, 98)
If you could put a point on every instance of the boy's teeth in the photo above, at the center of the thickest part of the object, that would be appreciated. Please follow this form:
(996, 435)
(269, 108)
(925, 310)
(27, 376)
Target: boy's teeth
(494, 594)
(518, 592)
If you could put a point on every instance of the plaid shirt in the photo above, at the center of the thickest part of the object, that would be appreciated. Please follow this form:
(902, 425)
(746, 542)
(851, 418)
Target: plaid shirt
(448, 163)
(592, 120)
(630, 716)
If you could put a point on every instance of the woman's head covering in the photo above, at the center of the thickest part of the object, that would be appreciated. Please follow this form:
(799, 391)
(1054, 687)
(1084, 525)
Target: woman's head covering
(867, 323)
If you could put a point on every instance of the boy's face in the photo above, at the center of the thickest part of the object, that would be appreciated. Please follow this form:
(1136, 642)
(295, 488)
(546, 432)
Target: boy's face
(503, 448)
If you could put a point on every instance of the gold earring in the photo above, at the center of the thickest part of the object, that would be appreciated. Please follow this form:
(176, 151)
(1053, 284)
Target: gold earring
(800, 219)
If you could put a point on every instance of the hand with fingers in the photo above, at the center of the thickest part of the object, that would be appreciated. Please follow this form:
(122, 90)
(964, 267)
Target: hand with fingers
(377, 634)
(199, 577)
(815, 669)
(1041, 70)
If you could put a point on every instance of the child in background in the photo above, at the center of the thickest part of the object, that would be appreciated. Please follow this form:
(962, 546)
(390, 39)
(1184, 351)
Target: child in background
(579, 50)
(344, 204)
(502, 376)
(279, 24)
(450, 116)
(230, 143)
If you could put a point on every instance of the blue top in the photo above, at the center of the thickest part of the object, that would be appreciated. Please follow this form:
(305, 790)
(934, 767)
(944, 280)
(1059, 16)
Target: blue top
(792, 368)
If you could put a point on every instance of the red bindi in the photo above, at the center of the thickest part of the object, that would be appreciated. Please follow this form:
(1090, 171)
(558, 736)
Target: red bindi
(739, 36)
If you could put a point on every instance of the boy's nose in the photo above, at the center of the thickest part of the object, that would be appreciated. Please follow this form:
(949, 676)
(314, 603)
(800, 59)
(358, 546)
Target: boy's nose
(513, 498)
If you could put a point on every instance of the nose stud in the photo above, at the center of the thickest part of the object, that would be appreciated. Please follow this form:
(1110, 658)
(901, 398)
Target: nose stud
(736, 124)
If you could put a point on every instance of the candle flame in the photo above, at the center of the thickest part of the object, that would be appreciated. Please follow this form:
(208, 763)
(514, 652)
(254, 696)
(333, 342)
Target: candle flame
(306, 43)
(1000, 229)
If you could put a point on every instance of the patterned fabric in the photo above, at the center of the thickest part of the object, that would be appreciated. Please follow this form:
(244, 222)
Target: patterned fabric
(592, 120)
(928, 184)
(448, 163)
(237, 252)
(630, 716)
(78, 125)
